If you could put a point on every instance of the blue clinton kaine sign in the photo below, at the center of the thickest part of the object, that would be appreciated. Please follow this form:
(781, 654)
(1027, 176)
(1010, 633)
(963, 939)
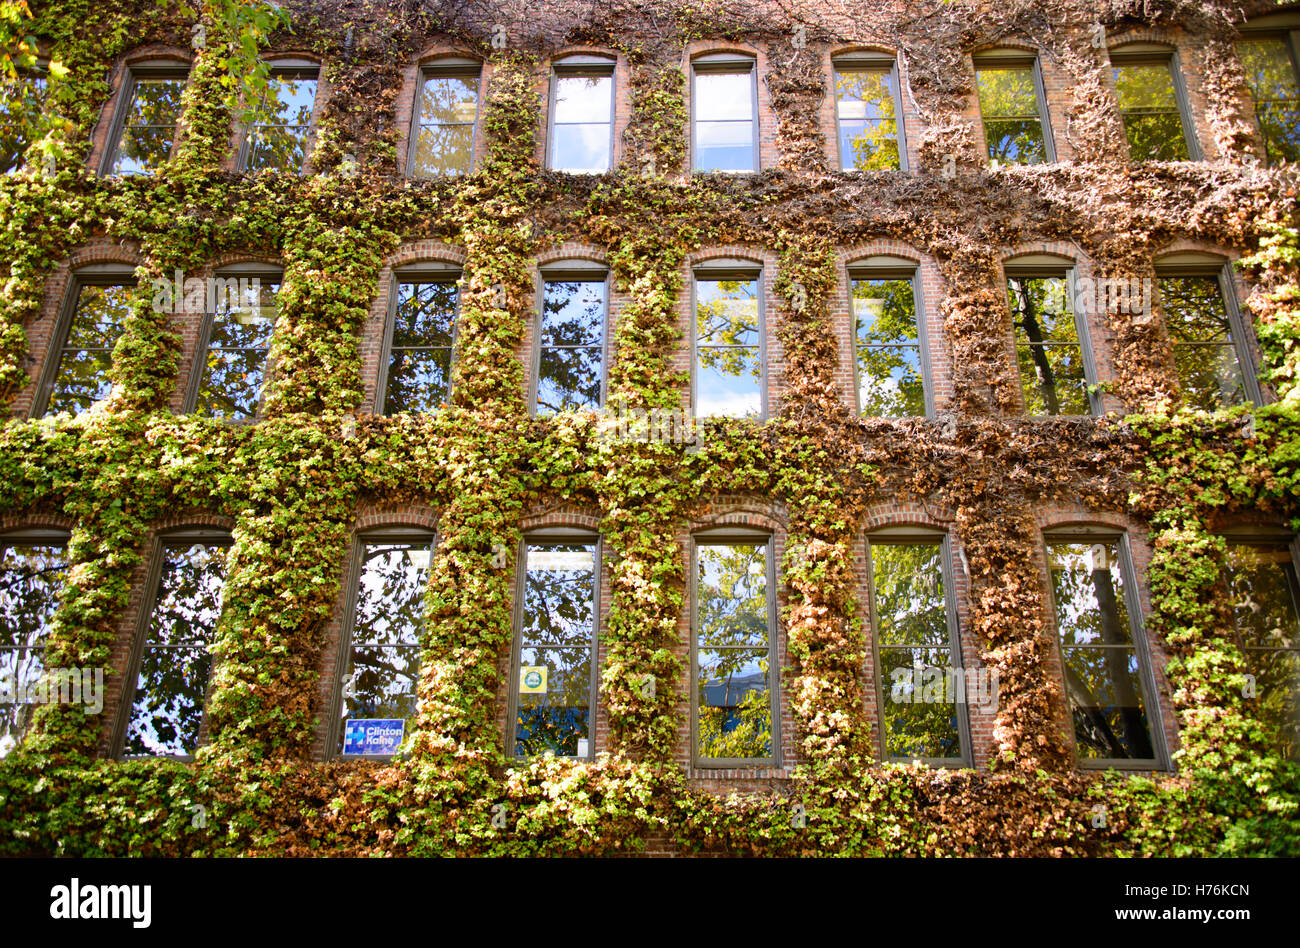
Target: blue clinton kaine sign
(372, 736)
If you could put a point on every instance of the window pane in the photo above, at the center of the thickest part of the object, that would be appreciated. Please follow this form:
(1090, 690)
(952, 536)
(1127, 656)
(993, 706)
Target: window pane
(732, 591)
(724, 146)
(890, 381)
(910, 603)
(1050, 359)
(557, 640)
(724, 121)
(1151, 116)
(382, 683)
(868, 123)
(97, 322)
(419, 363)
(1013, 127)
(176, 662)
(1102, 679)
(149, 126)
(31, 577)
(1266, 607)
(919, 713)
(735, 705)
(583, 99)
(572, 339)
(1272, 79)
(21, 101)
(581, 149)
(278, 139)
(447, 113)
(728, 367)
(1205, 355)
(724, 95)
(235, 361)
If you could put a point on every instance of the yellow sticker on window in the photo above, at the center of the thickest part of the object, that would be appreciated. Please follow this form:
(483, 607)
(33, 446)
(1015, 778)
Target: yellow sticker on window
(532, 680)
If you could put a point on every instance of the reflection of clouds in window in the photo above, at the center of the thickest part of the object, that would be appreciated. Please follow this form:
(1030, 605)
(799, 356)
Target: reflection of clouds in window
(31, 578)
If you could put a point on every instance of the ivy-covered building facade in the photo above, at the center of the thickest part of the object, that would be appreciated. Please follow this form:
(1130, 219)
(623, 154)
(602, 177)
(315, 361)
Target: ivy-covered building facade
(733, 427)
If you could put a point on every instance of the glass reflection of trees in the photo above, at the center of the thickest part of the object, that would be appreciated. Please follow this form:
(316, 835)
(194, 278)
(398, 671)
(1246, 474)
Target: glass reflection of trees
(1149, 107)
(1205, 354)
(1048, 352)
(21, 99)
(1266, 608)
(149, 125)
(235, 361)
(733, 652)
(728, 367)
(1013, 125)
(282, 122)
(912, 632)
(890, 381)
(558, 632)
(1272, 77)
(448, 109)
(98, 318)
(176, 659)
(31, 575)
(572, 339)
(419, 359)
(868, 122)
(1099, 658)
(381, 677)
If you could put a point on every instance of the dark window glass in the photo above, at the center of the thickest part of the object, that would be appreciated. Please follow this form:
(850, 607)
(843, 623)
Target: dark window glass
(87, 351)
(572, 341)
(149, 125)
(556, 650)
(1272, 77)
(176, 661)
(32, 574)
(1102, 674)
(728, 349)
(1266, 606)
(21, 101)
(733, 652)
(724, 121)
(868, 122)
(890, 381)
(383, 670)
(234, 363)
(419, 359)
(445, 116)
(1048, 352)
(914, 651)
(1152, 118)
(584, 108)
(278, 137)
(1205, 353)
(1013, 123)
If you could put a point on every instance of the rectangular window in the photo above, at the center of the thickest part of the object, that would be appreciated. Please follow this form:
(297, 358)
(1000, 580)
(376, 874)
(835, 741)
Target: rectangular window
(446, 115)
(582, 117)
(417, 375)
(381, 677)
(891, 366)
(33, 570)
(146, 128)
(22, 99)
(282, 124)
(729, 377)
(734, 694)
(869, 116)
(80, 367)
(233, 354)
(1266, 607)
(555, 651)
(920, 670)
(571, 344)
(724, 100)
(1154, 109)
(175, 662)
(1011, 105)
(1270, 64)
(1102, 650)
(1207, 336)
(1051, 345)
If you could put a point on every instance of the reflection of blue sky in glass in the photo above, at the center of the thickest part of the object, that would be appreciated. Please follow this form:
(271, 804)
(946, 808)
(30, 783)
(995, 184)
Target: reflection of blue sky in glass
(581, 127)
(728, 370)
(149, 126)
(97, 322)
(724, 121)
(447, 112)
(571, 338)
